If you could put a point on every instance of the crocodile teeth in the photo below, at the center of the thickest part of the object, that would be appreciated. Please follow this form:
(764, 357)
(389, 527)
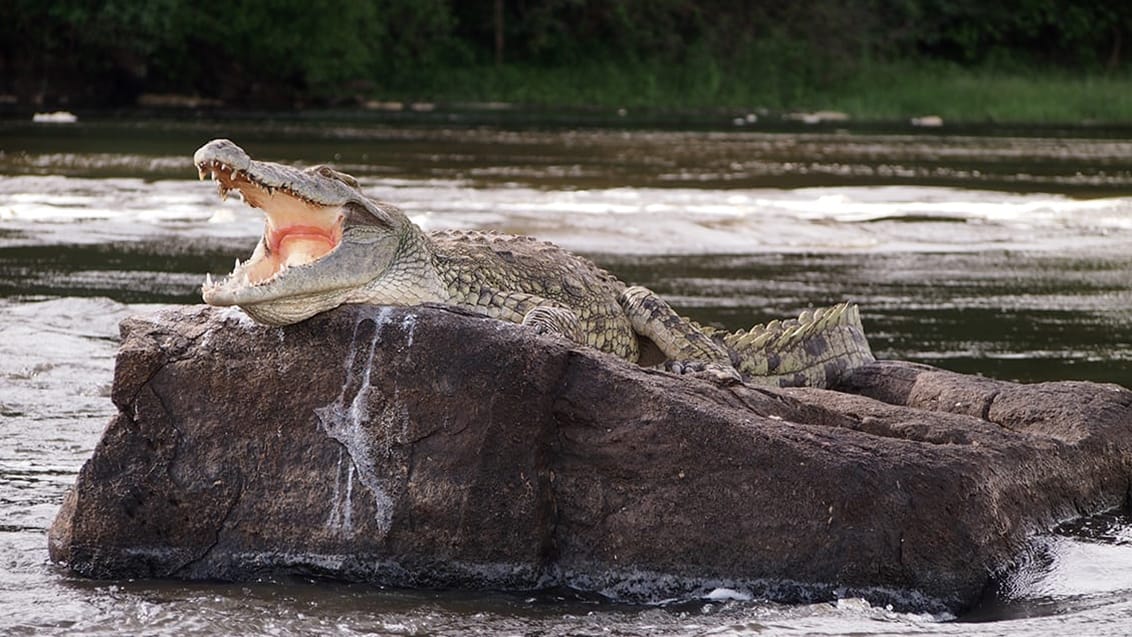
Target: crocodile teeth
(208, 280)
(237, 264)
(213, 172)
(201, 171)
(222, 190)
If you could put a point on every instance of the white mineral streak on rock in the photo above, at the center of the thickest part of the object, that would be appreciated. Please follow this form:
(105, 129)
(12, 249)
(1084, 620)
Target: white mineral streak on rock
(409, 323)
(344, 420)
(341, 519)
(235, 315)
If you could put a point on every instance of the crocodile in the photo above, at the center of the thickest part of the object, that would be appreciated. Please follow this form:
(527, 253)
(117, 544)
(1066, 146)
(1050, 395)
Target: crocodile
(325, 243)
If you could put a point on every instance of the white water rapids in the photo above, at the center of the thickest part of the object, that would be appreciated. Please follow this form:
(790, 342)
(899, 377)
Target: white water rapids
(56, 209)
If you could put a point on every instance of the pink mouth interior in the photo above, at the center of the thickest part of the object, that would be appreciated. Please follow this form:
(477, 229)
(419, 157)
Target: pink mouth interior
(297, 231)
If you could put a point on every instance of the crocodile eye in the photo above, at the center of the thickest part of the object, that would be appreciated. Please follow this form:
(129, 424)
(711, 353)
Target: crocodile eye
(330, 173)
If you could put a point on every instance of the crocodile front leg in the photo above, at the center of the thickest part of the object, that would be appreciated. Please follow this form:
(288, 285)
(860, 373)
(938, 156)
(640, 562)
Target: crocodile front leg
(555, 320)
(687, 349)
(531, 310)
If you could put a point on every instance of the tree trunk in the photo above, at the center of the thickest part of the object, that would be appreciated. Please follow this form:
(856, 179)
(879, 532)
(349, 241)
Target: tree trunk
(1114, 54)
(498, 32)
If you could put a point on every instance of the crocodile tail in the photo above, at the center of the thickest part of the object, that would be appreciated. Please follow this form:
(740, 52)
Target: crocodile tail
(817, 349)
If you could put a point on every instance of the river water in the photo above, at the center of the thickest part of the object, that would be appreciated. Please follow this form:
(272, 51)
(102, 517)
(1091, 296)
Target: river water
(993, 251)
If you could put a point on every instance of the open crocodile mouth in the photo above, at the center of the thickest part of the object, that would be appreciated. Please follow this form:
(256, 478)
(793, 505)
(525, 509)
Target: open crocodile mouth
(297, 231)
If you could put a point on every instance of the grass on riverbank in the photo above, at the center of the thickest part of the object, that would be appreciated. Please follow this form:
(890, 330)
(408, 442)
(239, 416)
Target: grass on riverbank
(987, 96)
(878, 92)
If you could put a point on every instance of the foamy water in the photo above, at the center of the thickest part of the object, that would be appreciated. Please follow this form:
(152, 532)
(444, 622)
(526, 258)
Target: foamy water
(55, 209)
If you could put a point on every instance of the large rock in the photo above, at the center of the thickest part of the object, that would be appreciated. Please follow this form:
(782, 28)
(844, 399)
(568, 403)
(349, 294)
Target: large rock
(426, 447)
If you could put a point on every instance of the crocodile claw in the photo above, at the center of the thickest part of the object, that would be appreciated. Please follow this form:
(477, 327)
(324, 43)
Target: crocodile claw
(724, 375)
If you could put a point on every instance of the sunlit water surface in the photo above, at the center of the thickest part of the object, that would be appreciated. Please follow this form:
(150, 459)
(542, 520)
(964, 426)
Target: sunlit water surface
(1000, 253)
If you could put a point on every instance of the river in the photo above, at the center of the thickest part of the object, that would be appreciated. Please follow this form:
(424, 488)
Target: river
(1002, 252)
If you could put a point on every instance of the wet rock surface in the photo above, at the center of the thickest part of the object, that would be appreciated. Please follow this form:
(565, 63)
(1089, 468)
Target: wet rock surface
(426, 447)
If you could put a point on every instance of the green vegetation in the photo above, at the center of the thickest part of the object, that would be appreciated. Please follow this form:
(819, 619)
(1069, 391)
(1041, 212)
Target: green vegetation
(900, 91)
(880, 92)
(1015, 60)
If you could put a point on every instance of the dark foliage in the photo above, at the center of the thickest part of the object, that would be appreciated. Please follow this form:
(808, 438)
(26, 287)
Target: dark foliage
(286, 52)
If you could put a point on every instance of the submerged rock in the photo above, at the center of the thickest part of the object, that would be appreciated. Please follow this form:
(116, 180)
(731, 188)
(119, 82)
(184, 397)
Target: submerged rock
(426, 447)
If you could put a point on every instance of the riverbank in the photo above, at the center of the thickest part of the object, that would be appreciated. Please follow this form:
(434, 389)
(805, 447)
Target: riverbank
(707, 95)
(876, 93)
(1038, 62)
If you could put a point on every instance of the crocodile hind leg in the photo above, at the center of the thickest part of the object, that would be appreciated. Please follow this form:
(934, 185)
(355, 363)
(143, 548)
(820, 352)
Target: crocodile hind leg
(686, 348)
